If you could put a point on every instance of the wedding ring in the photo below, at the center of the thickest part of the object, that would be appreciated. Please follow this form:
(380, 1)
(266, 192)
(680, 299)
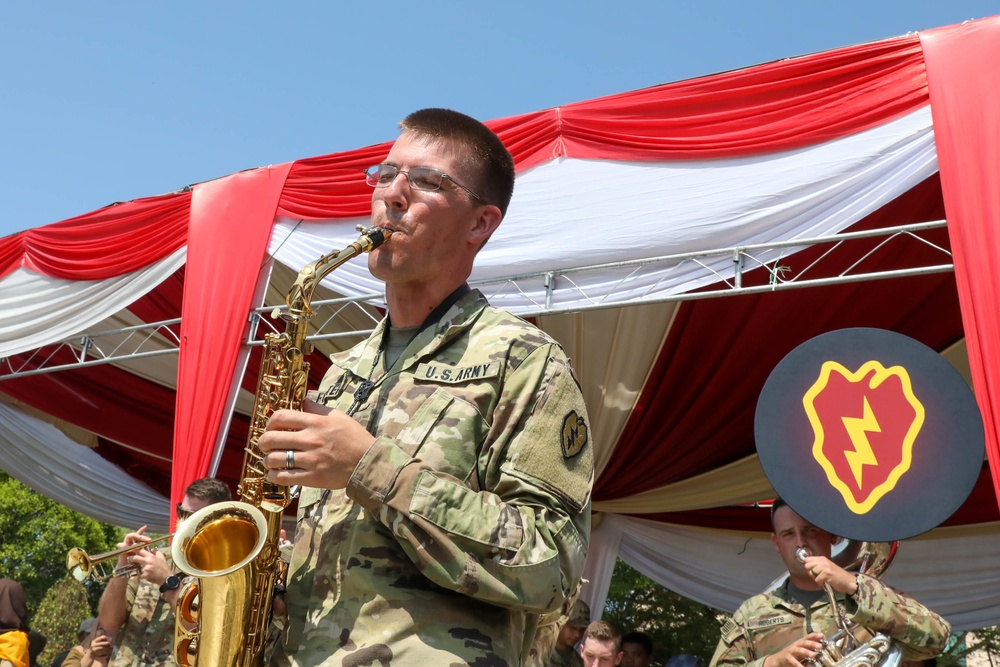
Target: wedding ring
(813, 571)
(289, 459)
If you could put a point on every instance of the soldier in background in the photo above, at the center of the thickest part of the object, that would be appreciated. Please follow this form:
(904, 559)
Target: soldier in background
(769, 630)
(137, 612)
(446, 467)
(564, 636)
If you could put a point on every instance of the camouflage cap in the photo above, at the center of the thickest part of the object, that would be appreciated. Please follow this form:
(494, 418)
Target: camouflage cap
(579, 615)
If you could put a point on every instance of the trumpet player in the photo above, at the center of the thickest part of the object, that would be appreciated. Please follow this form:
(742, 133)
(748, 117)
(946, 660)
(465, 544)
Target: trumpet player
(786, 627)
(138, 612)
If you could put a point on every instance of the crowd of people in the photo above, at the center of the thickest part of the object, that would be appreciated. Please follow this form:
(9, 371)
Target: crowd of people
(446, 468)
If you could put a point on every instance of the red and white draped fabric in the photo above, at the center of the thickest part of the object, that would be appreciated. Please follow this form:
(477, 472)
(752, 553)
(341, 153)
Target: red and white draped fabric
(860, 137)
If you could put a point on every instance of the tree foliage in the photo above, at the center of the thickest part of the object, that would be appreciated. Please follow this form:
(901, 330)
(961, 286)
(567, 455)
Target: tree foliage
(59, 615)
(674, 623)
(36, 533)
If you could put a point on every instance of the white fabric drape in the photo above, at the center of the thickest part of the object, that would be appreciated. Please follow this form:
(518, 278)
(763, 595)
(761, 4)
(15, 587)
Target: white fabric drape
(950, 570)
(38, 310)
(44, 459)
(559, 217)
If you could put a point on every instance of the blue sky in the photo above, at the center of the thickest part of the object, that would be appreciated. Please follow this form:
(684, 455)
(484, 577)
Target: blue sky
(110, 101)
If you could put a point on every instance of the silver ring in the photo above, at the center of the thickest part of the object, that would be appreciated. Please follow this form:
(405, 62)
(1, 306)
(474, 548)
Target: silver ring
(289, 459)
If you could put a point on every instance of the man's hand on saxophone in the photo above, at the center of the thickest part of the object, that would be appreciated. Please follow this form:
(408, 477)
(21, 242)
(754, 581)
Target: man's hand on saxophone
(325, 446)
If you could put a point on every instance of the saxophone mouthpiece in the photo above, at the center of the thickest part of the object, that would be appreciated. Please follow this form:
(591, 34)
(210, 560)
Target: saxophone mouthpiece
(377, 235)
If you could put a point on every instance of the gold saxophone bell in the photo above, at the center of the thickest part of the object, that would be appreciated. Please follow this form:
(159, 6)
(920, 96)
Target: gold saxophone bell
(83, 567)
(220, 544)
(232, 549)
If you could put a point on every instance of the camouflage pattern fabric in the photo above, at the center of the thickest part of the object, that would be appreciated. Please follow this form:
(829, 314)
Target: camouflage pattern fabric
(543, 645)
(568, 658)
(766, 623)
(549, 626)
(147, 638)
(469, 516)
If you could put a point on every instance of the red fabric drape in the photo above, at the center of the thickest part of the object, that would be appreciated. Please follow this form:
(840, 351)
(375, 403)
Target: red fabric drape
(777, 106)
(119, 406)
(108, 242)
(230, 226)
(696, 411)
(965, 99)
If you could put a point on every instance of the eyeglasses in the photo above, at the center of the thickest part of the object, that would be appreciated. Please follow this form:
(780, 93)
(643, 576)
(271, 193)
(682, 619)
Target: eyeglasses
(183, 513)
(419, 178)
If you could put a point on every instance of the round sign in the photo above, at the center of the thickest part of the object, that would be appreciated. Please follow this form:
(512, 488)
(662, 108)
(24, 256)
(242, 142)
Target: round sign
(869, 434)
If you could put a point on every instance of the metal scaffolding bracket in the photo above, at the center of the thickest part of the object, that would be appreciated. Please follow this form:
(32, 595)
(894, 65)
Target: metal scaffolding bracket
(354, 317)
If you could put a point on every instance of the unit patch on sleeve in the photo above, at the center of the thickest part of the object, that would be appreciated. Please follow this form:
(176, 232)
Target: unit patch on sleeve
(574, 434)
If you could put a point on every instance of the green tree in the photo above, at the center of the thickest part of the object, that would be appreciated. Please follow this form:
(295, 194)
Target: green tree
(674, 623)
(59, 615)
(36, 533)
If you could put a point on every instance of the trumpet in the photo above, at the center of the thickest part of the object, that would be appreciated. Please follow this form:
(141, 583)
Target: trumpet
(82, 566)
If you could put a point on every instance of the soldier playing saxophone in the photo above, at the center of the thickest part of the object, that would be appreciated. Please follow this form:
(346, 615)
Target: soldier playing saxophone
(447, 465)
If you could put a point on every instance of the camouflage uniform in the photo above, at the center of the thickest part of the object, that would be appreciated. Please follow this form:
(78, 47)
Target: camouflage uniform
(147, 638)
(568, 658)
(573, 611)
(766, 623)
(467, 518)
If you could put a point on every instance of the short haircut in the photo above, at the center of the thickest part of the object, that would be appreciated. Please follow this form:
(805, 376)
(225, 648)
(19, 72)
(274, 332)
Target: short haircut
(603, 631)
(490, 163)
(640, 638)
(775, 504)
(210, 490)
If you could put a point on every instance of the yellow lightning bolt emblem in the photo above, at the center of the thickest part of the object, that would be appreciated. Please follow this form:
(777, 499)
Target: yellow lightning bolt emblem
(873, 374)
(858, 430)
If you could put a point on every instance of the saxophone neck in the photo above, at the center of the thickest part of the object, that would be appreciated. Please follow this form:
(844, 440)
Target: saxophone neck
(301, 294)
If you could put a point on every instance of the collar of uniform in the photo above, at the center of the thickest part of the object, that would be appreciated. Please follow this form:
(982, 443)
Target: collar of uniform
(452, 320)
(454, 315)
(780, 597)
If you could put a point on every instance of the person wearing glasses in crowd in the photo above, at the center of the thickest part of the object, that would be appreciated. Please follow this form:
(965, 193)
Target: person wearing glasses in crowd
(137, 612)
(446, 463)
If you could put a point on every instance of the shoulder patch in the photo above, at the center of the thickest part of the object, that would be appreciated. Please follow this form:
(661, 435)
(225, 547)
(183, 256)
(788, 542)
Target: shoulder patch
(574, 434)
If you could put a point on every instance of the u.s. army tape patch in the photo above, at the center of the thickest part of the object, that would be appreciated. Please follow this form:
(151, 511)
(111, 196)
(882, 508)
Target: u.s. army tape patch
(574, 434)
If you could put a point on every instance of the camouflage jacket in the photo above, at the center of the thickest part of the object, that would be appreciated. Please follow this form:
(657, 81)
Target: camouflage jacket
(766, 623)
(569, 658)
(466, 519)
(147, 638)
(543, 644)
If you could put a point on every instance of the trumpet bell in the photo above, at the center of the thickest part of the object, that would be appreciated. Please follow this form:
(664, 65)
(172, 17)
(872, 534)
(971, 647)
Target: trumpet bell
(101, 566)
(78, 564)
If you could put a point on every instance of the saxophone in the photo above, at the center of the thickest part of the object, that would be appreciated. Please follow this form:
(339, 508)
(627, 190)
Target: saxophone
(223, 616)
